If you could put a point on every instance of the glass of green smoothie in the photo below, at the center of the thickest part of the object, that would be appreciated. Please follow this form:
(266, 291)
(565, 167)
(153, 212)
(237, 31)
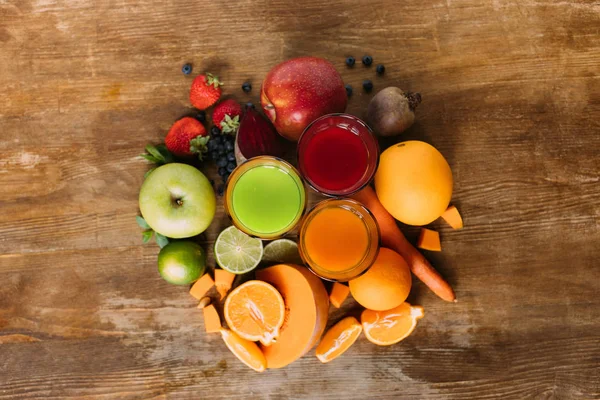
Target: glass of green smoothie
(265, 197)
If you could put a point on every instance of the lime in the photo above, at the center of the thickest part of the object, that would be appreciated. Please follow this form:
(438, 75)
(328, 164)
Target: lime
(237, 252)
(182, 262)
(282, 251)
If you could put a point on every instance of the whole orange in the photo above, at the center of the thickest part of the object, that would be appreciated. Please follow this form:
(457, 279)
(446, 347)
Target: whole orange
(385, 285)
(414, 182)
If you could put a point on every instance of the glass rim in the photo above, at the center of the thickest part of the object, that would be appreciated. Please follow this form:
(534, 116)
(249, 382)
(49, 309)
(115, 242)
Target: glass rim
(345, 192)
(253, 163)
(373, 245)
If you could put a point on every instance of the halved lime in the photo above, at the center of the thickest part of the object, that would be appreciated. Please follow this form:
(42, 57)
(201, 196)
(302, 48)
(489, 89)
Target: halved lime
(237, 252)
(282, 251)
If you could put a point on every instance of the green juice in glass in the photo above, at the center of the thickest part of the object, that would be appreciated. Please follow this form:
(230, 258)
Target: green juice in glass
(265, 197)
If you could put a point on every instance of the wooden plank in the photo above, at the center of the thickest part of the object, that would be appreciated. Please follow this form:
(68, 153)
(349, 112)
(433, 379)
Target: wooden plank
(511, 95)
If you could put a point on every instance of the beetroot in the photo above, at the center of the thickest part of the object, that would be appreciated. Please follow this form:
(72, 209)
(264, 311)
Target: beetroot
(257, 137)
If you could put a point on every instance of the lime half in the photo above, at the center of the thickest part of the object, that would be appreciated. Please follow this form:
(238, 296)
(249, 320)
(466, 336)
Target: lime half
(282, 251)
(237, 252)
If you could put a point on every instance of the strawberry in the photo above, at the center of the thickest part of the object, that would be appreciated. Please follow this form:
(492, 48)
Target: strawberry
(205, 91)
(226, 115)
(187, 137)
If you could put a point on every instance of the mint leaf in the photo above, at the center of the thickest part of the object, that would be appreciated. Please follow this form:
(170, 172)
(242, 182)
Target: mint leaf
(154, 152)
(142, 222)
(161, 240)
(150, 158)
(147, 235)
(168, 157)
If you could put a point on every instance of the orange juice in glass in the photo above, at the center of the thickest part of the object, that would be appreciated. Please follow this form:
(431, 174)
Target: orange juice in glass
(339, 239)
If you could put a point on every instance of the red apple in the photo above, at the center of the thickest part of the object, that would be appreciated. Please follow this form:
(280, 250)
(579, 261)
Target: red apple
(300, 90)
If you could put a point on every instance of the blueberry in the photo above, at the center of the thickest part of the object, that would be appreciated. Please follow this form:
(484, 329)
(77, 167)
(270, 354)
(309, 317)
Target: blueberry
(380, 68)
(247, 87)
(350, 61)
(230, 167)
(186, 69)
(222, 171)
(201, 116)
(367, 85)
(228, 146)
(214, 154)
(219, 141)
(222, 162)
(349, 90)
(249, 105)
(230, 157)
(221, 190)
(225, 177)
(215, 131)
(212, 145)
(367, 60)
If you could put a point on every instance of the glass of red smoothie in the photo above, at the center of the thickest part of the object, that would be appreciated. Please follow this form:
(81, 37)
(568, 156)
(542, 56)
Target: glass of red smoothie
(337, 154)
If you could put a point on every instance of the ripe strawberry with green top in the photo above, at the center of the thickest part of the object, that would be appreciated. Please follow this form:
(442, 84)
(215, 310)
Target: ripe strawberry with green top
(226, 115)
(187, 137)
(205, 91)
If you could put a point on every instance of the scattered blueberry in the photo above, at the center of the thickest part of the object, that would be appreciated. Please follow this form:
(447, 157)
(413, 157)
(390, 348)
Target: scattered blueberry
(212, 182)
(221, 189)
(228, 145)
(367, 85)
(201, 116)
(380, 69)
(186, 69)
(215, 131)
(367, 60)
(225, 177)
(222, 171)
(230, 167)
(350, 61)
(349, 90)
(249, 105)
(222, 162)
(230, 157)
(247, 87)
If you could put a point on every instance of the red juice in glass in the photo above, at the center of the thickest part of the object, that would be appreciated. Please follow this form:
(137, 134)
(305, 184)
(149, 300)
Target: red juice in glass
(337, 154)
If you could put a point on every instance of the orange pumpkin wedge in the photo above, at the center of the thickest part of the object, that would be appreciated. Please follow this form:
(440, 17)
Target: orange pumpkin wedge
(307, 306)
(338, 339)
(246, 351)
(388, 327)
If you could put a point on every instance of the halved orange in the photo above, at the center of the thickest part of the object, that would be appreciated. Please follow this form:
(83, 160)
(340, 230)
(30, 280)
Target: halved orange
(338, 339)
(246, 351)
(255, 311)
(388, 327)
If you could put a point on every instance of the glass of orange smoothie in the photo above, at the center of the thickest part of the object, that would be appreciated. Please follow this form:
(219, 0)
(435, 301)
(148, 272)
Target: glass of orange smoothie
(339, 239)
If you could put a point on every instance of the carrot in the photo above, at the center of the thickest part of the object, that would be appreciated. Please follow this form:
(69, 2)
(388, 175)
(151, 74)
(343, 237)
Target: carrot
(429, 240)
(453, 218)
(392, 237)
(338, 294)
(202, 285)
(223, 281)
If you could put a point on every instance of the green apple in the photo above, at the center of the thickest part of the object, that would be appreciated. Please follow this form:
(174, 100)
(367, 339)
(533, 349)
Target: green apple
(177, 201)
(182, 262)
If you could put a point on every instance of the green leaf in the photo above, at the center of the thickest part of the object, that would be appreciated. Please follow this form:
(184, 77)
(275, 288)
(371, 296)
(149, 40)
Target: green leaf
(198, 146)
(168, 157)
(142, 222)
(149, 172)
(147, 235)
(154, 151)
(161, 240)
(150, 158)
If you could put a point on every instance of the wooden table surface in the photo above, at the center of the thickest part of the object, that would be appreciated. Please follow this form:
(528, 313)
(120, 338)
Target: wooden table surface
(511, 96)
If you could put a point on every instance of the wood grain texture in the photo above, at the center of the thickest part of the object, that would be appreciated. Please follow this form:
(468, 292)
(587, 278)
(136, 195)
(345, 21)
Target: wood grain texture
(511, 95)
